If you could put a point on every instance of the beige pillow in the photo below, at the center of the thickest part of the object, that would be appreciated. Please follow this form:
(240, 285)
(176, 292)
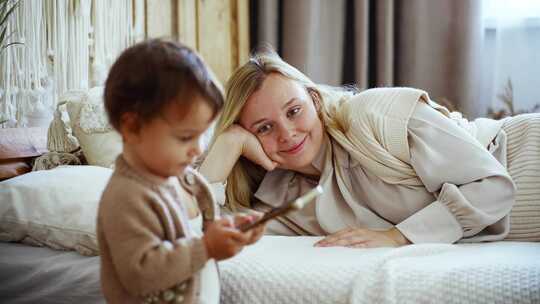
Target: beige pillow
(55, 208)
(100, 143)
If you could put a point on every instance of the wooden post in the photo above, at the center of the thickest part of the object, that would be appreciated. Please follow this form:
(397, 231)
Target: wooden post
(217, 29)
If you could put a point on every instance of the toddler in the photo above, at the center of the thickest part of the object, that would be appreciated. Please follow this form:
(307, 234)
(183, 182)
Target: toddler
(158, 227)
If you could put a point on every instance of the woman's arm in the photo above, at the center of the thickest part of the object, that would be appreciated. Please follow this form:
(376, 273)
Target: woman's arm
(221, 157)
(474, 190)
(227, 149)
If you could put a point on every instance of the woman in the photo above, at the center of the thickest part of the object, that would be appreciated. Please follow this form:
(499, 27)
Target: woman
(396, 167)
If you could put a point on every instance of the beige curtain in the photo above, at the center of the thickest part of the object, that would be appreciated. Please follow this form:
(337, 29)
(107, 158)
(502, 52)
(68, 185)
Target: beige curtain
(439, 47)
(429, 44)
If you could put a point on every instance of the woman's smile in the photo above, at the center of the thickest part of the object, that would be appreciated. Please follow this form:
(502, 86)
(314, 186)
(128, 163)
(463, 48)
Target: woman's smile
(296, 148)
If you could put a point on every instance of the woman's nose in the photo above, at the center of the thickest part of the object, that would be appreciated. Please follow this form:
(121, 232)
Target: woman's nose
(286, 133)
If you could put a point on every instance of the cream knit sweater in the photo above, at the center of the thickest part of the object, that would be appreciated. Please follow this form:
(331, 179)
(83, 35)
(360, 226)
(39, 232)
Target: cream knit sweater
(381, 116)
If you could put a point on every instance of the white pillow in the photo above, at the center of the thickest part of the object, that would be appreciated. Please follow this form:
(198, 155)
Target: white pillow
(55, 208)
(100, 143)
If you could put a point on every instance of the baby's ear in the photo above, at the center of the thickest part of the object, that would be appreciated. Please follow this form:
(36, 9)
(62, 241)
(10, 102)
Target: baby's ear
(130, 127)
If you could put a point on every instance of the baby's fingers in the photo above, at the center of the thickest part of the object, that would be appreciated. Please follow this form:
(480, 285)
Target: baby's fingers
(225, 221)
(242, 219)
(237, 236)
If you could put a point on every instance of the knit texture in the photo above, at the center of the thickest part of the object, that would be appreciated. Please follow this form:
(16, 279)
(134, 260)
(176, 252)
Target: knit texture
(147, 249)
(523, 157)
(495, 272)
(375, 131)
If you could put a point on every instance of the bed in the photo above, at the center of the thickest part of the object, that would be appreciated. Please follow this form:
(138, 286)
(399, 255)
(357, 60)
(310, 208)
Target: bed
(31, 274)
(48, 255)
(290, 270)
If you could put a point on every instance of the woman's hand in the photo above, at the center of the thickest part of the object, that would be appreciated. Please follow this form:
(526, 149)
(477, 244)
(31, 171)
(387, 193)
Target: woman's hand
(364, 238)
(227, 149)
(251, 147)
(223, 240)
(253, 234)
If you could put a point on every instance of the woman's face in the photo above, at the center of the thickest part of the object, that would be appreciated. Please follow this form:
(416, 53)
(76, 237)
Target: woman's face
(283, 116)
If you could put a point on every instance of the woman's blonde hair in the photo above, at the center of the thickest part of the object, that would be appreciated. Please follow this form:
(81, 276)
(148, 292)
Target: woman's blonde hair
(246, 176)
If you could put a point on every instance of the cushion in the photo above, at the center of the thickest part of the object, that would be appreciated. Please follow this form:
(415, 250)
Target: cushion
(20, 143)
(55, 208)
(18, 146)
(9, 169)
(99, 142)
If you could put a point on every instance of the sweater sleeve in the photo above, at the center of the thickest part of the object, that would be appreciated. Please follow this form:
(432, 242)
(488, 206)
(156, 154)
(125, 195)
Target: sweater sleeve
(144, 260)
(474, 191)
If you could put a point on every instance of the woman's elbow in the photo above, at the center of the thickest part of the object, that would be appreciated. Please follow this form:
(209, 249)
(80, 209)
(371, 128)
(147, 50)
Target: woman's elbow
(507, 195)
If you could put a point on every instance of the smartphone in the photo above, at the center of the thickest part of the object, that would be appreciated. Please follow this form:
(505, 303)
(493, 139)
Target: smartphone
(296, 204)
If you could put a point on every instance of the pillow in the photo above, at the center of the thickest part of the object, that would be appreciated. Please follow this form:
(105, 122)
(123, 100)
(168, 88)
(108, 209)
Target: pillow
(18, 146)
(100, 143)
(9, 169)
(55, 208)
(19, 143)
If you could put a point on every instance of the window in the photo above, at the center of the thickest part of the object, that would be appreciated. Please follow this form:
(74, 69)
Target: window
(511, 52)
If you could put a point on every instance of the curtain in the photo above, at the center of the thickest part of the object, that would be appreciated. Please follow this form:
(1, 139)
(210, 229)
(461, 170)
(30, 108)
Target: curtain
(433, 45)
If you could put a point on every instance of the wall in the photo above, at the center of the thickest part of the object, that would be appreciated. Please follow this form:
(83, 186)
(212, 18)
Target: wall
(218, 29)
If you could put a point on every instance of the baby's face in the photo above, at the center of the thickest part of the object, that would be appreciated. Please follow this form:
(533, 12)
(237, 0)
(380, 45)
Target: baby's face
(173, 140)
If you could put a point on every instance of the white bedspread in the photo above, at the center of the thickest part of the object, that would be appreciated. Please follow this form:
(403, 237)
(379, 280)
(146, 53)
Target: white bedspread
(291, 270)
(42, 275)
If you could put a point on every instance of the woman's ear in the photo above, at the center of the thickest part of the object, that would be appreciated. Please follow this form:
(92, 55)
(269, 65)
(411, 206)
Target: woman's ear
(129, 127)
(316, 97)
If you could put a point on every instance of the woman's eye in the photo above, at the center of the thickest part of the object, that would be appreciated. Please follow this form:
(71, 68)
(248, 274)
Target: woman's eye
(263, 129)
(293, 112)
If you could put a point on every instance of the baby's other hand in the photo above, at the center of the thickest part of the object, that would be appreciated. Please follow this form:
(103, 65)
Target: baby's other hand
(253, 234)
(223, 240)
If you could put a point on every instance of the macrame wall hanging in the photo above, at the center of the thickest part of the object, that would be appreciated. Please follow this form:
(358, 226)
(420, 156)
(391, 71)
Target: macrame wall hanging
(67, 45)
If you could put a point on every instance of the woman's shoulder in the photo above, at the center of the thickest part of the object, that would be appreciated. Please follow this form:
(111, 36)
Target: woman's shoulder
(394, 101)
(387, 94)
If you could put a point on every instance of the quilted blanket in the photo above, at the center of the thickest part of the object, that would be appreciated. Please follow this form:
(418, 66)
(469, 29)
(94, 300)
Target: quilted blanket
(290, 270)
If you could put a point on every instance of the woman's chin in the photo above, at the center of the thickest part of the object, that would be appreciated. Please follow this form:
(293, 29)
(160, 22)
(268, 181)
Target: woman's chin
(295, 165)
(297, 162)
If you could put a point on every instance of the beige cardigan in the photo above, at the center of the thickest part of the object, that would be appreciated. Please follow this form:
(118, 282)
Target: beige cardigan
(147, 250)
(376, 131)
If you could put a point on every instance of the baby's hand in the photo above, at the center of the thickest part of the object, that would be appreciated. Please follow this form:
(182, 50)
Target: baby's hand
(254, 234)
(223, 240)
